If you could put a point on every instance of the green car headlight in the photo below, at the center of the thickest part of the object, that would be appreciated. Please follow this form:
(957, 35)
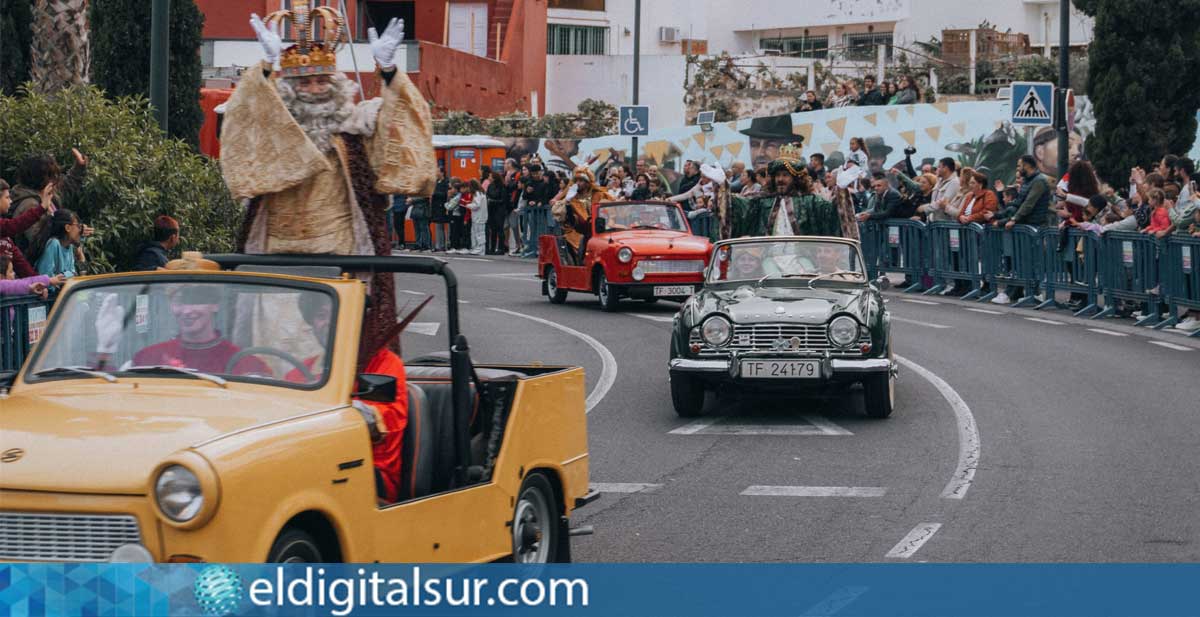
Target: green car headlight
(716, 331)
(843, 331)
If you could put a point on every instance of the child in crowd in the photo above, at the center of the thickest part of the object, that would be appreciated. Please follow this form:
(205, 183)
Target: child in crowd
(1160, 215)
(10, 285)
(61, 254)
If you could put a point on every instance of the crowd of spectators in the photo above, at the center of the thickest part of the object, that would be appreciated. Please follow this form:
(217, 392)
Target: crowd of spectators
(904, 91)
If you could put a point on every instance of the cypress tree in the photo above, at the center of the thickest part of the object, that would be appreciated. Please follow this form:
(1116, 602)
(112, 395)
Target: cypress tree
(16, 37)
(1143, 67)
(121, 58)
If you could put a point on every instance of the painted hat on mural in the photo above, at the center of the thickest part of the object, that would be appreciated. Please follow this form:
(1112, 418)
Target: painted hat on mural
(877, 147)
(791, 159)
(771, 127)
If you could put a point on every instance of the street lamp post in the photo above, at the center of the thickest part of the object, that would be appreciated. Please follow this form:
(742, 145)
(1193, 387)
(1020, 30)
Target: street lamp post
(160, 36)
(1064, 82)
(637, 57)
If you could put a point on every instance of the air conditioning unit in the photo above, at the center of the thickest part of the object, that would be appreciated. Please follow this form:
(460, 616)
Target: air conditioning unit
(668, 35)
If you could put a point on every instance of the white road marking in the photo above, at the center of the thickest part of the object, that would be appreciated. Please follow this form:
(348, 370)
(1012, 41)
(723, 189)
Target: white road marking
(984, 311)
(816, 491)
(608, 370)
(694, 427)
(463, 302)
(472, 259)
(968, 432)
(1108, 332)
(410, 292)
(919, 323)
(913, 542)
(1171, 346)
(784, 426)
(427, 328)
(925, 302)
(1050, 322)
(662, 318)
(624, 487)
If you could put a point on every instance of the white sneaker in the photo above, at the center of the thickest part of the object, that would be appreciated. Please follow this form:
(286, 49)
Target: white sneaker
(947, 291)
(1001, 298)
(1191, 324)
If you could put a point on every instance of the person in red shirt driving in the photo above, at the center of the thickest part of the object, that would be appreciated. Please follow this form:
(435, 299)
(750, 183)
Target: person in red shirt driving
(199, 345)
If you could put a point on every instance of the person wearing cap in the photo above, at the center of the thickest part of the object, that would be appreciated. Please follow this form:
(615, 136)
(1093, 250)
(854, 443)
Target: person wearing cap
(538, 193)
(788, 206)
(767, 136)
(574, 213)
(199, 344)
(708, 197)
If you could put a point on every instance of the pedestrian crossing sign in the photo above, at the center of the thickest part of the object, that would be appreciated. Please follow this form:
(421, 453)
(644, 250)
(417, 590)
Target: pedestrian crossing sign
(1032, 103)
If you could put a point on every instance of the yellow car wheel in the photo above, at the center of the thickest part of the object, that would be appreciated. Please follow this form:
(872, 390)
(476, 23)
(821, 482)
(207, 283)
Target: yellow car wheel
(535, 531)
(295, 546)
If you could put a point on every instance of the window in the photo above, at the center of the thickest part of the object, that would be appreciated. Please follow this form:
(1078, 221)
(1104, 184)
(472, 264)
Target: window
(562, 39)
(578, 5)
(372, 14)
(801, 47)
(861, 47)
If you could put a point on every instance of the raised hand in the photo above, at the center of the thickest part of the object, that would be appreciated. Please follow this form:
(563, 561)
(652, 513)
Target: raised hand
(268, 37)
(80, 159)
(384, 47)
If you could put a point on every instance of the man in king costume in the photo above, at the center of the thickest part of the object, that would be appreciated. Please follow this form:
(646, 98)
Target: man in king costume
(316, 166)
(787, 207)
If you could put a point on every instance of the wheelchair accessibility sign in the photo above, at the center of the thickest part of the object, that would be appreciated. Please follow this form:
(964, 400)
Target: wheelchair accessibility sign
(1032, 103)
(635, 120)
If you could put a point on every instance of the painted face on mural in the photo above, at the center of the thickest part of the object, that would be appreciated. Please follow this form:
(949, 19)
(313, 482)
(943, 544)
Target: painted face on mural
(763, 151)
(1047, 153)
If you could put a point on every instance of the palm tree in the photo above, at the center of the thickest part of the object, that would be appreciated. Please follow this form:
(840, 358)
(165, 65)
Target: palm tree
(60, 52)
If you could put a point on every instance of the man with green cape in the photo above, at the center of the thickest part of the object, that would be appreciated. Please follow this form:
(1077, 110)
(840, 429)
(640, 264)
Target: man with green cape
(789, 192)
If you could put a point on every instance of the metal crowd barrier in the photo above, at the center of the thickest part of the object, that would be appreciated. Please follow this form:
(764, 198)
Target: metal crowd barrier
(1075, 267)
(1181, 277)
(899, 246)
(956, 256)
(536, 221)
(22, 322)
(1012, 257)
(1129, 272)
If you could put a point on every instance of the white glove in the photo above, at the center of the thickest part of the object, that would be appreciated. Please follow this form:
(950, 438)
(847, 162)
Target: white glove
(110, 322)
(384, 47)
(269, 38)
(572, 192)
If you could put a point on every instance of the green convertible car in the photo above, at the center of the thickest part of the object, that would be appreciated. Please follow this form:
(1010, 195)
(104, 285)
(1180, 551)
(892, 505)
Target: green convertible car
(784, 314)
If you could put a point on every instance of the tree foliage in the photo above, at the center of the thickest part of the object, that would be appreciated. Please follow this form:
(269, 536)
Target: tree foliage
(1144, 64)
(593, 119)
(135, 172)
(16, 37)
(121, 58)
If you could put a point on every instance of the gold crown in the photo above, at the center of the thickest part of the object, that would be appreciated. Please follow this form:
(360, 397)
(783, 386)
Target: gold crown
(793, 151)
(310, 56)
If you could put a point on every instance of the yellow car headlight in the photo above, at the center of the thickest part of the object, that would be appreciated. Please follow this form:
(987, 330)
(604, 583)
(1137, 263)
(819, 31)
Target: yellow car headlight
(178, 493)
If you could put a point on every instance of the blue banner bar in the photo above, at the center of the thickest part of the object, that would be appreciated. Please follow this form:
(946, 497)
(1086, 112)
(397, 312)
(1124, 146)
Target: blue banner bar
(692, 590)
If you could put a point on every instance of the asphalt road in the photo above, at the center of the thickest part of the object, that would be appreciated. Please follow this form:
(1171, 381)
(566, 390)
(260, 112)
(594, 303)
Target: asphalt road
(1018, 436)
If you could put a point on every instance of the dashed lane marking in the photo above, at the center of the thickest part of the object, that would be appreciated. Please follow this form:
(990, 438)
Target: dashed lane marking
(984, 311)
(1108, 332)
(815, 491)
(608, 370)
(624, 487)
(784, 426)
(1171, 346)
(427, 328)
(920, 323)
(1049, 322)
(662, 318)
(913, 542)
(925, 302)
(968, 432)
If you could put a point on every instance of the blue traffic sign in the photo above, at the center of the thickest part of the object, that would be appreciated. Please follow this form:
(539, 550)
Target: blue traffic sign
(635, 120)
(1032, 103)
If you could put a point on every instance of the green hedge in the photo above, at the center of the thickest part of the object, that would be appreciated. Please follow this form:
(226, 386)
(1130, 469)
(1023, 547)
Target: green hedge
(135, 172)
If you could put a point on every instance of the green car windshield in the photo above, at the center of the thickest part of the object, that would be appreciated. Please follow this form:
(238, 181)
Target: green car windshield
(800, 259)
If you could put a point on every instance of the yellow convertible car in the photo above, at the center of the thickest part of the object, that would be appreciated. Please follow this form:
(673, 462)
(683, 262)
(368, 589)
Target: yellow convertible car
(203, 413)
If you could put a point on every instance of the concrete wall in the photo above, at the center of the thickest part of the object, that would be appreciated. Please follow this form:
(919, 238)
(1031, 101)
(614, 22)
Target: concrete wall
(571, 79)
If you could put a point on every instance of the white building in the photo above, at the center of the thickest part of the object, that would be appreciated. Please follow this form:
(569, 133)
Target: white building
(590, 42)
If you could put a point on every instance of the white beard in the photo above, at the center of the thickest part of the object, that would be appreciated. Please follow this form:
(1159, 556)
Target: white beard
(322, 116)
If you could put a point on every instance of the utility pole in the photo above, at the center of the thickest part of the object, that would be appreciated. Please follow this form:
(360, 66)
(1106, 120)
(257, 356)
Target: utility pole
(637, 60)
(160, 36)
(1064, 82)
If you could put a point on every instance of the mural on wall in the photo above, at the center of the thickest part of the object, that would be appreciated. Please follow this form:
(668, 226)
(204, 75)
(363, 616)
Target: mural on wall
(976, 134)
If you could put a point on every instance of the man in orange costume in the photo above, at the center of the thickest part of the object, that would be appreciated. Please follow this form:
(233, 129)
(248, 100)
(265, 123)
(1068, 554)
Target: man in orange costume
(573, 210)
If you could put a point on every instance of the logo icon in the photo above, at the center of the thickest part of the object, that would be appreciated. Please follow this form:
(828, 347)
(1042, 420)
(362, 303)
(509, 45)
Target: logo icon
(11, 455)
(218, 590)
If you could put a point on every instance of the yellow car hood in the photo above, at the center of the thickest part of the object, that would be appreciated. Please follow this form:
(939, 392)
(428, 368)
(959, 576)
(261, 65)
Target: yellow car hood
(108, 438)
